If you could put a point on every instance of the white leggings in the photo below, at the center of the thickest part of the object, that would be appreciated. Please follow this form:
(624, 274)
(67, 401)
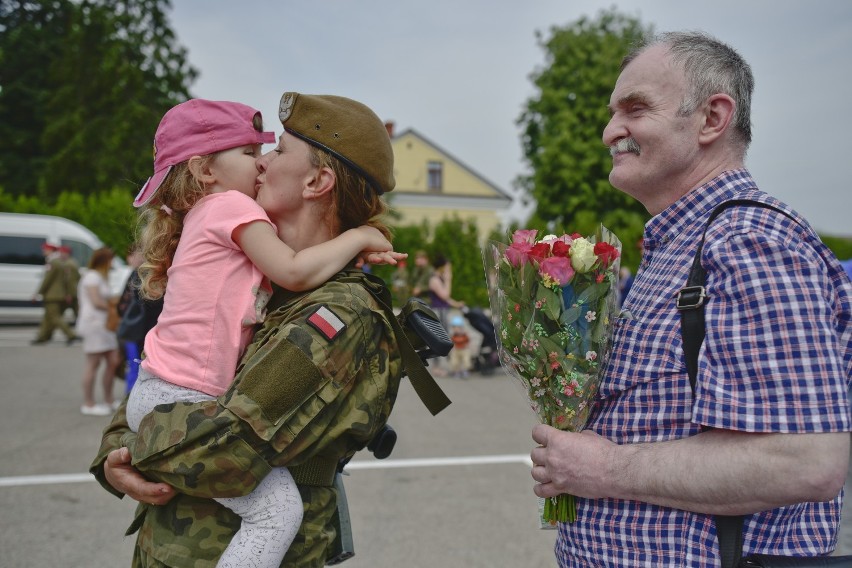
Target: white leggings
(271, 514)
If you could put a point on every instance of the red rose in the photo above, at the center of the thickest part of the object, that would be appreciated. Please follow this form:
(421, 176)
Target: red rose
(540, 251)
(606, 253)
(560, 248)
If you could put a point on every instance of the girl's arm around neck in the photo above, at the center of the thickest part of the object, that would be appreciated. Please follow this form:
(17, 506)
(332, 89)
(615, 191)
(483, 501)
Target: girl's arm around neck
(309, 267)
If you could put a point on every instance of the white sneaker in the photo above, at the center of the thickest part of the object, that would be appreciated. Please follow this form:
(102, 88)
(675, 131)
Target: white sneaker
(96, 410)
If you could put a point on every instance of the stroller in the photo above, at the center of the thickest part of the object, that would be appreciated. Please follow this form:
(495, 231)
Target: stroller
(487, 360)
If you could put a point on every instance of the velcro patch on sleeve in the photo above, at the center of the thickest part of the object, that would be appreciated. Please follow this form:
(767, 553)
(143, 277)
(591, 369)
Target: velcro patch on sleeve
(326, 322)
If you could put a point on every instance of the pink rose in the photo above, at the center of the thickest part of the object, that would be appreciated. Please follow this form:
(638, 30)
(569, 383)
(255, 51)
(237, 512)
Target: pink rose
(558, 269)
(524, 236)
(518, 252)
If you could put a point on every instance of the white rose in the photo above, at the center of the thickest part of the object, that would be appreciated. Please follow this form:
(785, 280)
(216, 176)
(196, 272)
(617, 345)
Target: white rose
(582, 255)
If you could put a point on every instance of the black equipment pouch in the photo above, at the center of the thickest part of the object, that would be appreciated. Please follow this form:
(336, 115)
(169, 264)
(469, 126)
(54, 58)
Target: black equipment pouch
(343, 548)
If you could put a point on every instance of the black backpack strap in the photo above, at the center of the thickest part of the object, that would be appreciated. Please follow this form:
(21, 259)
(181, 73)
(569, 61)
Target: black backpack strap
(690, 304)
(691, 298)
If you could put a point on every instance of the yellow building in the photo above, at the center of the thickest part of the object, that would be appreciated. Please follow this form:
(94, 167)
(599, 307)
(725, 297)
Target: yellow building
(432, 185)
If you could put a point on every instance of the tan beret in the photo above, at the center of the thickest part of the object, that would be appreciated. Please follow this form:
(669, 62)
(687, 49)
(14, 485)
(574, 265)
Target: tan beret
(346, 129)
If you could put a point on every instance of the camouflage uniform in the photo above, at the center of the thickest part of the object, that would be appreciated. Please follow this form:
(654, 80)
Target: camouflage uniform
(55, 291)
(420, 281)
(305, 396)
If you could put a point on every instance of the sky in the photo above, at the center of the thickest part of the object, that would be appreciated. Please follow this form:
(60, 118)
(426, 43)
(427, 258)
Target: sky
(458, 72)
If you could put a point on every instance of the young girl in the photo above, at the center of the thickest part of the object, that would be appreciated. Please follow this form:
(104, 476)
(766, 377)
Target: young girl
(211, 241)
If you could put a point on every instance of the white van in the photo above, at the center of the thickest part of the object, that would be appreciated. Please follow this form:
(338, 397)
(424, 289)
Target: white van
(22, 263)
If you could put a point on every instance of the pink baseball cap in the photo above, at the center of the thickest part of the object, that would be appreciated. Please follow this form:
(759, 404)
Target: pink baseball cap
(199, 127)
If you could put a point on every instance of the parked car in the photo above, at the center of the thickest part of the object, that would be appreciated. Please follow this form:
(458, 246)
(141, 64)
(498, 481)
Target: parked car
(22, 262)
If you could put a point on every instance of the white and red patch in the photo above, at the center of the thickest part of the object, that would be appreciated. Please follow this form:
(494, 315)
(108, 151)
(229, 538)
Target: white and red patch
(326, 322)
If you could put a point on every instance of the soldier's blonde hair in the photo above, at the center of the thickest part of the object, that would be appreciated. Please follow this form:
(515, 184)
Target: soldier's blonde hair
(354, 202)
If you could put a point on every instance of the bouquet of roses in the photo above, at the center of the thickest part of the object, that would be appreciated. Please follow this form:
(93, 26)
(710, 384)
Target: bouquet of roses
(552, 302)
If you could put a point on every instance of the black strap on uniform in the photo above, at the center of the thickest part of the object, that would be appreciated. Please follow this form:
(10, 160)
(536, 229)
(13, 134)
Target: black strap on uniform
(321, 471)
(690, 304)
(423, 383)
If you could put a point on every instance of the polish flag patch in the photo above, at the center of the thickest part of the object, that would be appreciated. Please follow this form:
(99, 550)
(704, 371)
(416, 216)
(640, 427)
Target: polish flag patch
(326, 322)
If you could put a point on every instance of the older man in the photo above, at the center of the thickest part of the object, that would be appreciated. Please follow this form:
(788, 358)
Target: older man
(765, 432)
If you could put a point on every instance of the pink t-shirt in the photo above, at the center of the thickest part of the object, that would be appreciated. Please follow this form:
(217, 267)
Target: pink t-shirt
(214, 297)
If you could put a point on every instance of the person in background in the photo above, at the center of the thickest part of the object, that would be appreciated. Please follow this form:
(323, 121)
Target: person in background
(764, 433)
(625, 281)
(138, 316)
(400, 283)
(55, 293)
(441, 300)
(441, 289)
(847, 266)
(99, 344)
(72, 274)
(419, 276)
(459, 357)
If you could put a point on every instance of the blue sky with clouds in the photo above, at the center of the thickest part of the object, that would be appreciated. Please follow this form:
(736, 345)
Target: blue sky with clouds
(458, 72)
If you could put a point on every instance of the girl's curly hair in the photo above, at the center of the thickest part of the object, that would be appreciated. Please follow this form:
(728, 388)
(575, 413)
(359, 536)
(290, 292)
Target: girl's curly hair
(161, 224)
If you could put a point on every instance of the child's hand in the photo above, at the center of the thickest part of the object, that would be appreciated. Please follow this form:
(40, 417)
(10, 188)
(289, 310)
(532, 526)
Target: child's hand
(388, 257)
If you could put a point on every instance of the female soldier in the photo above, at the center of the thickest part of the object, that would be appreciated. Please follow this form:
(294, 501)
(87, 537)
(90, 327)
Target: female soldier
(336, 344)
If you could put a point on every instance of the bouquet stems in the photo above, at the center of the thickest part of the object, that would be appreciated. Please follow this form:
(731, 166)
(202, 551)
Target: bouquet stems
(560, 509)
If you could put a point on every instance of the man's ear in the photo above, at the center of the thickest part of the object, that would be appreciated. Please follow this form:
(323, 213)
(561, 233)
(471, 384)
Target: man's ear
(322, 183)
(718, 114)
(200, 170)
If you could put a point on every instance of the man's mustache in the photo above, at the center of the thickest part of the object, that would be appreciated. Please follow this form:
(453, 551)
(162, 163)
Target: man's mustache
(625, 145)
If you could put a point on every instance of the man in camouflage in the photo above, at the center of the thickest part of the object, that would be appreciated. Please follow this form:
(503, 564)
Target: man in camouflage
(420, 275)
(72, 274)
(56, 292)
(316, 384)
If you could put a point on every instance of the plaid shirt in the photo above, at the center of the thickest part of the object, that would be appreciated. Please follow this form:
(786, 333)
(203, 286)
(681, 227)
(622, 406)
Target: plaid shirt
(776, 358)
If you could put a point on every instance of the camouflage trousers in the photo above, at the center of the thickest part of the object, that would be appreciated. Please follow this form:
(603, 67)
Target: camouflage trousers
(165, 533)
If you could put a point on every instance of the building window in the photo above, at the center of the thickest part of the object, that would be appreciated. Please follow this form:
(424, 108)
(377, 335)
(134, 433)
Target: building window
(436, 176)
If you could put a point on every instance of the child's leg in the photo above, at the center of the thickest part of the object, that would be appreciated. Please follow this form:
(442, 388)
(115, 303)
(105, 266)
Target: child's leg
(467, 361)
(271, 517)
(151, 391)
(455, 361)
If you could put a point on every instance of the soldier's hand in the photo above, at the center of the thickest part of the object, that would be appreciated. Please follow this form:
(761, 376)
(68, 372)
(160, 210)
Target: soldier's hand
(125, 478)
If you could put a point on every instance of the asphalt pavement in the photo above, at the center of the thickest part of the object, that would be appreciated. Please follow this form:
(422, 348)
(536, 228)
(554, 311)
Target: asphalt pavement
(456, 492)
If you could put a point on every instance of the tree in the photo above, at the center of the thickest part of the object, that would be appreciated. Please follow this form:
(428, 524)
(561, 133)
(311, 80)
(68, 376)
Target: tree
(562, 127)
(110, 70)
(31, 36)
(458, 241)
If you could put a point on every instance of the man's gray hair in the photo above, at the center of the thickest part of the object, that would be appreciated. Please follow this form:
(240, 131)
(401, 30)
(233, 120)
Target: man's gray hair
(710, 67)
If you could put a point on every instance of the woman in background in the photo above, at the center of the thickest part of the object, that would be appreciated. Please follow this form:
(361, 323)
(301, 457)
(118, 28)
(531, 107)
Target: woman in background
(99, 344)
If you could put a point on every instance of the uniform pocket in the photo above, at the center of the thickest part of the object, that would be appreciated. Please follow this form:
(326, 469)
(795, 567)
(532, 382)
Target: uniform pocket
(196, 452)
